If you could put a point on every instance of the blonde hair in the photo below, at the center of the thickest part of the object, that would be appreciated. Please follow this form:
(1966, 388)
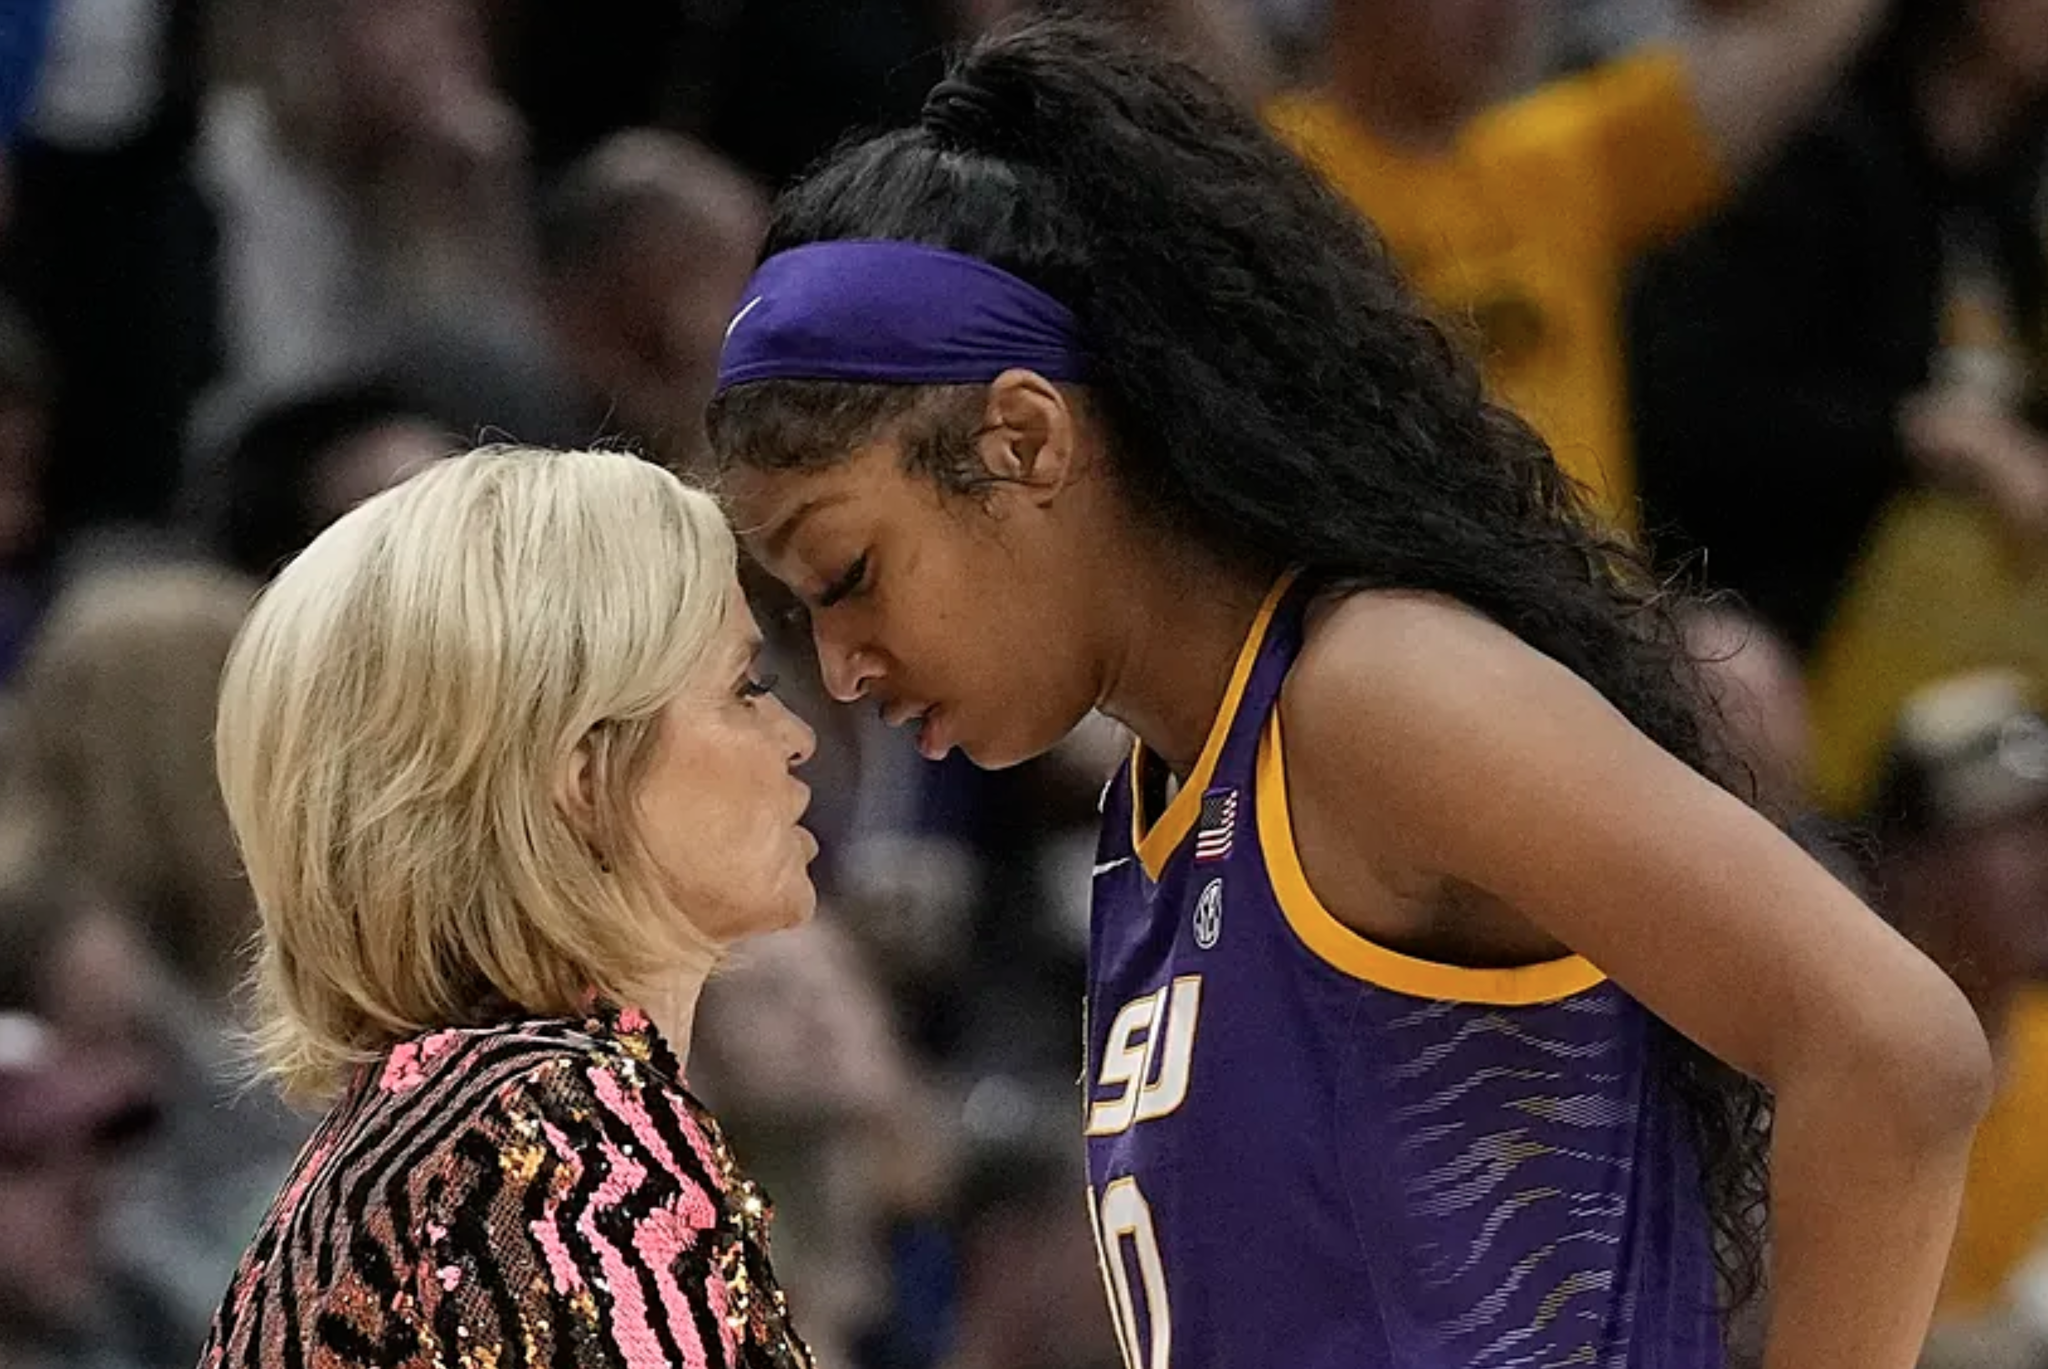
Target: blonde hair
(400, 724)
(111, 773)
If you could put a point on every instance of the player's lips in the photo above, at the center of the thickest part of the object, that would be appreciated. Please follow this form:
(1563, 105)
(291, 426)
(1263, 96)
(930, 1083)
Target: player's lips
(899, 712)
(925, 718)
(931, 743)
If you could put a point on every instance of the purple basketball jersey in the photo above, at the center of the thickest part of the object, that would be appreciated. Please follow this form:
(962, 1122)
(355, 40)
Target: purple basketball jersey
(1306, 1150)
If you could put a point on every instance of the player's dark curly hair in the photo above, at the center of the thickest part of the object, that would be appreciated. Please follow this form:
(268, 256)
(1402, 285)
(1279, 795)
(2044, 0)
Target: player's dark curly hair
(1272, 393)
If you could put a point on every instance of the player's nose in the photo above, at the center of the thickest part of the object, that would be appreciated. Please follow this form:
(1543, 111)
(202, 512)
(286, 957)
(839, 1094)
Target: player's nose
(849, 670)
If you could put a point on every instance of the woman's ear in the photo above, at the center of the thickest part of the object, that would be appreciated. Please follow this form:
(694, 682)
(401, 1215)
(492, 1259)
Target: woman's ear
(576, 790)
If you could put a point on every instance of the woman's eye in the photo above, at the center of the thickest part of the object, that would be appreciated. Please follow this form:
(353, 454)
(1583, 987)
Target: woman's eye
(757, 687)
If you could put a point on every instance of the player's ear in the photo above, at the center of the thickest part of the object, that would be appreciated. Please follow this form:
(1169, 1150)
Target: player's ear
(1029, 434)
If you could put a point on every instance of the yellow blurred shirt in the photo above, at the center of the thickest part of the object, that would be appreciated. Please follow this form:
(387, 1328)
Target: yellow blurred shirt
(1521, 234)
(2005, 1200)
(1940, 586)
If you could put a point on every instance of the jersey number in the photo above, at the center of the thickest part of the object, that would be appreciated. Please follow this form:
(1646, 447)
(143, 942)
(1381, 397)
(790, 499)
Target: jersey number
(1124, 1220)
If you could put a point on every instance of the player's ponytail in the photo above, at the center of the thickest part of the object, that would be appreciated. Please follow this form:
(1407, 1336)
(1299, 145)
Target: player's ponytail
(1272, 392)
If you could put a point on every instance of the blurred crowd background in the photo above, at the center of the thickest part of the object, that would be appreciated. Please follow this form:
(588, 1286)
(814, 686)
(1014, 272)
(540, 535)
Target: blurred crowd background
(258, 258)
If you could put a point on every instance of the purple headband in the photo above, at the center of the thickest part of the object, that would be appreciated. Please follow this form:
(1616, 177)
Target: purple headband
(895, 312)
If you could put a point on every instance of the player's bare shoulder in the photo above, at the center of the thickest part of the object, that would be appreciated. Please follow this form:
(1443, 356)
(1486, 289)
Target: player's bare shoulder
(1388, 661)
(1399, 702)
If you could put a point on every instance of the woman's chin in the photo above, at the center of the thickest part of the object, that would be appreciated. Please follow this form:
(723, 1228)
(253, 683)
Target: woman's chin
(802, 904)
(807, 908)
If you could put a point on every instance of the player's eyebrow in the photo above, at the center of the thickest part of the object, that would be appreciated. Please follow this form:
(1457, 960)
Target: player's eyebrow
(776, 538)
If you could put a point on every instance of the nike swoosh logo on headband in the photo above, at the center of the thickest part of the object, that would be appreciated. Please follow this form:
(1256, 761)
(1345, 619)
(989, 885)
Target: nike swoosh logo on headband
(745, 309)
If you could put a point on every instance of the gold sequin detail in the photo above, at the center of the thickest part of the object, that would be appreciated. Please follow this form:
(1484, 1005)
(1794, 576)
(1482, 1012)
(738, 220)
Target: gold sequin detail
(521, 1162)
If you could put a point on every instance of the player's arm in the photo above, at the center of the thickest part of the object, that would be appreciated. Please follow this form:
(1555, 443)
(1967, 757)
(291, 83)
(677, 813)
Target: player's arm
(1454, 751)
(1758, 67)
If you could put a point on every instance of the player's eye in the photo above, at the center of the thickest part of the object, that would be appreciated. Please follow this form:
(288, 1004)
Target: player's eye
(848, 582)
(755, 687)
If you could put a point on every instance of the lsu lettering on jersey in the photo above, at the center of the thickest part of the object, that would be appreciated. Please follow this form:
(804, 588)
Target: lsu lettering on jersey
(1308, 1151)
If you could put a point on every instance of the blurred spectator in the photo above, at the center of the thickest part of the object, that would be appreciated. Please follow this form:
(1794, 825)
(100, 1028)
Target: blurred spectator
(64, 1118)
(1589, 33)
(111, 781)
(1517, 220)
(580, 73)
(77, 1092)
(969, 888)
(370, 179)
(779, 82)
(305, 461)
(646, 245)
(22, 46)
(796, 1050)
(113, 771)
(27, 388)
(1842, 379)
(1293, 35)
(774, 84)
(111, 250)
(1030, 1291)
(1030, 926)
(1240, 42)
(1754, 682)
(1963, 818)
(1577, 34)
(1245, 44)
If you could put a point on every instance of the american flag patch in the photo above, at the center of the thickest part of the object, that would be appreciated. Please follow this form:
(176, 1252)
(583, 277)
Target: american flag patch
(1217, 827)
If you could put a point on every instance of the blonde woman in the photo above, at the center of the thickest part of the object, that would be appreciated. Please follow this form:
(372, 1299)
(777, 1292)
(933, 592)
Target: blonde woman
(507, 785)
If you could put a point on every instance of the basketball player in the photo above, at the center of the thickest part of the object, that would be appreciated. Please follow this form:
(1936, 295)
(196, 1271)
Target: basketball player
(1419, 887)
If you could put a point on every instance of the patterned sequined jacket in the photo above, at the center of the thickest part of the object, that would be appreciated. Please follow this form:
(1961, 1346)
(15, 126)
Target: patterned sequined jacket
(537, 1195)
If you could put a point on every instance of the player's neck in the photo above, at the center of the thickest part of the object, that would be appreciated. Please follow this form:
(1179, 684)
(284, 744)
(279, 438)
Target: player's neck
(1178, 632)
